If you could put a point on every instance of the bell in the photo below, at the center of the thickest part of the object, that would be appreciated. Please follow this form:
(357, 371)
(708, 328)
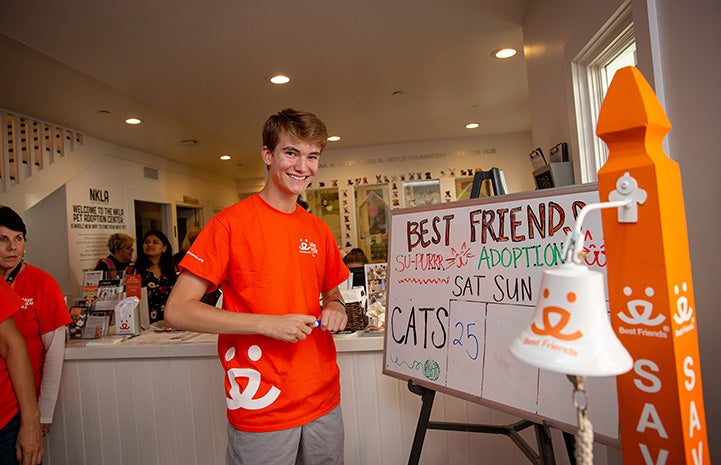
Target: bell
(571, 332)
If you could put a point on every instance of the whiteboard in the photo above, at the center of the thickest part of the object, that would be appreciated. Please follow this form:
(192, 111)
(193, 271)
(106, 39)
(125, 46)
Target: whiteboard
(462, 284)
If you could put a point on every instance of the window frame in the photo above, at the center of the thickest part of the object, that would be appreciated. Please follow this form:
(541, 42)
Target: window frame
(588, 71)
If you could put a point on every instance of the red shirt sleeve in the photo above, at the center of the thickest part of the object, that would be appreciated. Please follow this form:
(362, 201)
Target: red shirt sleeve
(10, 302)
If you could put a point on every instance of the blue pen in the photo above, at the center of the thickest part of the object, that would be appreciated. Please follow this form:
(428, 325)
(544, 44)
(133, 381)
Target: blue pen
(316, 324)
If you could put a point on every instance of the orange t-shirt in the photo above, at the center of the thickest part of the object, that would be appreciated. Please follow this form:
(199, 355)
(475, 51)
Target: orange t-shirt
(271, 262)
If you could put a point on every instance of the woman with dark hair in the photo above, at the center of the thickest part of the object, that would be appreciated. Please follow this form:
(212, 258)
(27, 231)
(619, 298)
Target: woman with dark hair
(356, 260)
(41, 320)
(157, 272)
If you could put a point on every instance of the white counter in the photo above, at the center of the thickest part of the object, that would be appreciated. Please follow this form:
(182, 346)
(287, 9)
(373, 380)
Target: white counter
(144, 402)
(184, 344)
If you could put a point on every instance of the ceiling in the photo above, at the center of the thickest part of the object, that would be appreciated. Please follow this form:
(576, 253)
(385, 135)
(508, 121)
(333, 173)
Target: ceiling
(376, 71)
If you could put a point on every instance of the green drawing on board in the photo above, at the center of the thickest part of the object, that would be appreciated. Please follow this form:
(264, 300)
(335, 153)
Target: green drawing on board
(414, 365)
(431, 370)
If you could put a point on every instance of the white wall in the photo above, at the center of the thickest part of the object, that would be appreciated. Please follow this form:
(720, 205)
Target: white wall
(441, 158)
(554, 32)
(47, 237)
(689, 41)
(677, 50)
(55, 247)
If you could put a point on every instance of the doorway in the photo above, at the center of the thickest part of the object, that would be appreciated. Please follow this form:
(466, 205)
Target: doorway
(187, 217)
(151, 215)
(372, 214)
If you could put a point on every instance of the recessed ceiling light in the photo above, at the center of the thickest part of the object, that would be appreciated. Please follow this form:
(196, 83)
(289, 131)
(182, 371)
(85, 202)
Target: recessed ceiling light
(189, 142)
(334, 138)
(225, 157)
(472, 125)
(280, 79)
(133, 121)
(504, 53)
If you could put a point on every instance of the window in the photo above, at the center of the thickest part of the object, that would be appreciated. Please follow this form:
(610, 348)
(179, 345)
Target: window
(627, 57)
(611, 49)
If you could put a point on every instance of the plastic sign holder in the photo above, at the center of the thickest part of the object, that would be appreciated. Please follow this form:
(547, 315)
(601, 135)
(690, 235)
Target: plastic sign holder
(660, 401)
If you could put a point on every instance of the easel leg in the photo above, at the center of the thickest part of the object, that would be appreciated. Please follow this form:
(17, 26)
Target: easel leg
(427, 396)
(570, 442)
(543, 435)
(545, 445)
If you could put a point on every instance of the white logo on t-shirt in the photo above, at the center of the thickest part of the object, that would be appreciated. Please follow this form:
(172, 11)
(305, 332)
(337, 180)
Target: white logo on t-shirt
(201, 260)
(245, 398)
(308, 247)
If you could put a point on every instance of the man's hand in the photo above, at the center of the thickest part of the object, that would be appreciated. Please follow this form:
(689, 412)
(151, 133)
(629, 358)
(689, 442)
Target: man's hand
(287, 328)
(333, 316)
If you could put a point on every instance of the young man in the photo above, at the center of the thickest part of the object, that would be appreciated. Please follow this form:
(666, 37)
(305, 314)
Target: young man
(273, 260)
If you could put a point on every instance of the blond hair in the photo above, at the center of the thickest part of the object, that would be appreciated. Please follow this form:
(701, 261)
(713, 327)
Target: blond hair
(119, 241)
(190, 236)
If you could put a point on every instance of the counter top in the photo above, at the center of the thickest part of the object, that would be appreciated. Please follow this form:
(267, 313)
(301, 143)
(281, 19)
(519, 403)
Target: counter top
(154, 344)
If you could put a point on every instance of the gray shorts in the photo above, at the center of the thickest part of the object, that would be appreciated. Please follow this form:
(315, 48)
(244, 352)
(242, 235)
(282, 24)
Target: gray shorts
(319, 442)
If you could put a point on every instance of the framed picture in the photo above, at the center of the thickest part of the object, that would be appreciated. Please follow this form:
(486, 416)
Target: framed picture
(420, 193)
(463, 187)
(376, 286)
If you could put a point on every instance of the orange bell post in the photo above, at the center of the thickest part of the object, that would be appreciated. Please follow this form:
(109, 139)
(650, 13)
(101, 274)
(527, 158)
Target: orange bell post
(661, 410)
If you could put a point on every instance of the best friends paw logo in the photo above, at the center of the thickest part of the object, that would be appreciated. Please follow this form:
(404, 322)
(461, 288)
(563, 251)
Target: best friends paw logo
(307, 247)
(246, 398)
(683, 314)
(555, 319)
(640, 312)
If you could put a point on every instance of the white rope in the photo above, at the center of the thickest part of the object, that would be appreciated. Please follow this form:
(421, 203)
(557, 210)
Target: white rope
(583, 452)
(584, 439)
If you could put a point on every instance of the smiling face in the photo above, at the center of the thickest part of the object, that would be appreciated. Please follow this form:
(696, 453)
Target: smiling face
(292, 165)
(12, 249)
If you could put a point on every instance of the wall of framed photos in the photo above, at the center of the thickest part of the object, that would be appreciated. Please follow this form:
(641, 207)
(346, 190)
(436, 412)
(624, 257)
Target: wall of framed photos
(356, 189)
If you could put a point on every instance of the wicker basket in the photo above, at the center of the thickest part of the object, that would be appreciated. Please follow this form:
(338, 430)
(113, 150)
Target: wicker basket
(355, 308)
(357, 319)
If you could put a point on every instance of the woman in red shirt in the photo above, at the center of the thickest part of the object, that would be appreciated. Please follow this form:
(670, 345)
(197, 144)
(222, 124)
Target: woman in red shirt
(42, 318)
